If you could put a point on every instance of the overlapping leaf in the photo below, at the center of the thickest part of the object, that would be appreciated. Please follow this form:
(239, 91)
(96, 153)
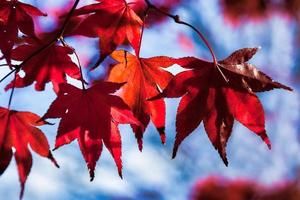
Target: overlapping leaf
(14, 16)
(140, 6)
(17, 131)
(91, 116)
(144, 77)
(51, 65)
(114, 22)
(217, 96)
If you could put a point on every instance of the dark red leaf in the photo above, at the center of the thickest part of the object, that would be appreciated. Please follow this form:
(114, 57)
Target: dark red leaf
(51, 65)
(114, 22)
(17, 131)
(217, 95)
(91, 116)
(14, 16)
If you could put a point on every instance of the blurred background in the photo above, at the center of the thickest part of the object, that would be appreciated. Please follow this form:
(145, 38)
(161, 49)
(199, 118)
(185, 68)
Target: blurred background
(254, 172)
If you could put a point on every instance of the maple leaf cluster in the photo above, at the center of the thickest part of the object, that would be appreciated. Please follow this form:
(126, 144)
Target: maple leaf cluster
(237, 11)
(220, 188)
(215, 93)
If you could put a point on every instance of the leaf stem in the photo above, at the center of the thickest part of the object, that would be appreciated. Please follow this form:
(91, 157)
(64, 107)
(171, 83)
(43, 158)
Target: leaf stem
(143, 30)
(46, 46)
(177, 20)
(80, 69)
(12, 91)
(78, 61)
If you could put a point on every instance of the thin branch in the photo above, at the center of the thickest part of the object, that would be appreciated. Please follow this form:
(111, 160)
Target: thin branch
(7, 75)
(46, 46)
(99, 61)
(177, 19)
(67, 20)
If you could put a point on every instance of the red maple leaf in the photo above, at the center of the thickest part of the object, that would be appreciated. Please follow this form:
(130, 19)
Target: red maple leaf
(114, 22)
(217, 96)
(144, 77)
(52, 64)
(17, 130)
(91, 116)
(14, 16)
